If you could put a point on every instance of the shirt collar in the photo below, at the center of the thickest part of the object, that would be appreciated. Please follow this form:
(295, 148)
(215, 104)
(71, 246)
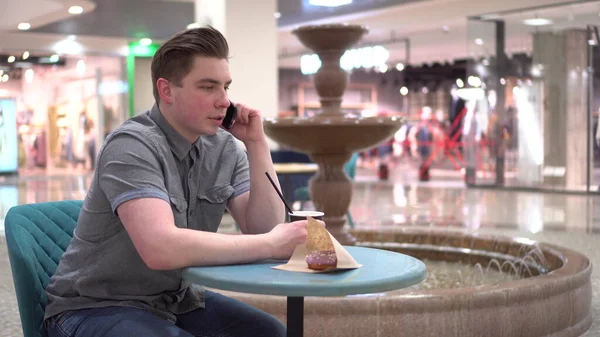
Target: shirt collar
(179, 145)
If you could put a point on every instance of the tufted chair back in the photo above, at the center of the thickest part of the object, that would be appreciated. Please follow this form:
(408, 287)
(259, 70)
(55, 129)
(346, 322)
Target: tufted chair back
(36, 236)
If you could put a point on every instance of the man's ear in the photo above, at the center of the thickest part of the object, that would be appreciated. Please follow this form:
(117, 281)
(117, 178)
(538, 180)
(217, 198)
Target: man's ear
(164, 90)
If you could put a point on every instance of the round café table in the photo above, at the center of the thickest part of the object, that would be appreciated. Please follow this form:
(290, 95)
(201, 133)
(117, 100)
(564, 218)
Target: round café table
(381, 271)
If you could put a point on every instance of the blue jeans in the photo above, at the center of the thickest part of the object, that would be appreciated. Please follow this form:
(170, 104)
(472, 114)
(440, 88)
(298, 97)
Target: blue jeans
(222, 317)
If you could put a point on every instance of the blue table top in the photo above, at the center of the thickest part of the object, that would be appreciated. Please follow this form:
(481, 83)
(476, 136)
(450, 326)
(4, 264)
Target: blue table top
(381, 271)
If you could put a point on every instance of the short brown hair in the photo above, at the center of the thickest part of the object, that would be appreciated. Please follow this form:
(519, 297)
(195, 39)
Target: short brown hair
(174, 59)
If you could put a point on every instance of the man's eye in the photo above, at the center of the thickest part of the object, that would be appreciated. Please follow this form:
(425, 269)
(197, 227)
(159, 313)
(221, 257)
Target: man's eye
(207, 88)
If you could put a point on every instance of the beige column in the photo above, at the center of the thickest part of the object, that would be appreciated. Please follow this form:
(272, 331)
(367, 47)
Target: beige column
(561, 56)
(251, 31)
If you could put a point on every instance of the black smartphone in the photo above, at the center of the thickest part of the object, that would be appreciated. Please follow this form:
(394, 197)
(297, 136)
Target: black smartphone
(229, 116)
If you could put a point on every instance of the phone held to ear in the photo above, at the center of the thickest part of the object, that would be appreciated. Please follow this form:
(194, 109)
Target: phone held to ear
(229, 119)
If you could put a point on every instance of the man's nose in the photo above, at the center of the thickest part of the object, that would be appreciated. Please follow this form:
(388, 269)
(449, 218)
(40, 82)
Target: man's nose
(223, 102)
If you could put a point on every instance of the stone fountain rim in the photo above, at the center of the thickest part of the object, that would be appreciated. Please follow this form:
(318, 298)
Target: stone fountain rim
(567, 277)
(335, 120)
(331, 26)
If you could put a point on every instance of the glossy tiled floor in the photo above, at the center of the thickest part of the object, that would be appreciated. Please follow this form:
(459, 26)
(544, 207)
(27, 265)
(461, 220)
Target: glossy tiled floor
(568, 220)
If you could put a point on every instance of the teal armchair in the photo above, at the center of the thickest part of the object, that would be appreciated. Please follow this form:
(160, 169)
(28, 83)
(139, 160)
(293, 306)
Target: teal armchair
(302, 194)
(36, 236)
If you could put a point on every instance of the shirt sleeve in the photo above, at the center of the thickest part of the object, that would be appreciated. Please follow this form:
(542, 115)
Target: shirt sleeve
(129, 169)
(241, 174)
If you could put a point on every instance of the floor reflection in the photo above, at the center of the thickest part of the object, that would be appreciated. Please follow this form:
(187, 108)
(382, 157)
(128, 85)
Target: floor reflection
(395, 202)
(33, 189)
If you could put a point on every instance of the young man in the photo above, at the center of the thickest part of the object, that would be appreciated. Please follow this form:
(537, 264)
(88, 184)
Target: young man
(161, 185)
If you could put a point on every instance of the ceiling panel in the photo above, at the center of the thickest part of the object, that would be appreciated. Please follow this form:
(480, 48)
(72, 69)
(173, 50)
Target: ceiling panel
(127, 18)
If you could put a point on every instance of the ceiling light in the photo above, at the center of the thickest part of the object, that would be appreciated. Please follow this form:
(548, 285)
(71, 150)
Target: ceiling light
(460, 83)
(404, 91)
(145, 41)
(5, 78)
(75, 10)
(24, 26)
(469, 94)
(478, 41)
(491, 16)
(277, 15)
(329, 3)
(54, 58)
(67, 46)
(537, 22)
(400, 66)
(80, 67)
(474, 81)
(11, 59)
(25, 55)
(29, 75)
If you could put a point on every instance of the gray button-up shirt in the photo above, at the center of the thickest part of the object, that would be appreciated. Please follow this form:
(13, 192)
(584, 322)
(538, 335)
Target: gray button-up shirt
(145, 158)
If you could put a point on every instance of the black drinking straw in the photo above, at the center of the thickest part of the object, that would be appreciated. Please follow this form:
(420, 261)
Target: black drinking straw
(279, 192)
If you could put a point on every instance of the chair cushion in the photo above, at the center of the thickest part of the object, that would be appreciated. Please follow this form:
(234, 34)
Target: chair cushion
(37, 235)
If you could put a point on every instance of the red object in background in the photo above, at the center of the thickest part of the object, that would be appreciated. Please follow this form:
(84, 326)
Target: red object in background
(384, 172)
(424, 173)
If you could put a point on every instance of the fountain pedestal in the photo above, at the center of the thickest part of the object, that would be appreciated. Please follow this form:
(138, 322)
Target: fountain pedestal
(331, 136)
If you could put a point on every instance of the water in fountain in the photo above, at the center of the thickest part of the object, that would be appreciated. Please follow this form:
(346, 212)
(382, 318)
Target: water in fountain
(448, 275)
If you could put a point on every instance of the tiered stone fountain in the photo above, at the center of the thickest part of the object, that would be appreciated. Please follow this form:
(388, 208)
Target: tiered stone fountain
(331, 136)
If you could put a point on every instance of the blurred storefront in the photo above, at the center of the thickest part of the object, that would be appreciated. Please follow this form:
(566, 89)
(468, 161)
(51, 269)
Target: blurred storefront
(63, 109)
(530, 104)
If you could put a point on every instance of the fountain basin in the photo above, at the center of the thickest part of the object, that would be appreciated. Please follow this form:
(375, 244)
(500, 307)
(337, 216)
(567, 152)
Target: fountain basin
(330, 37)
(331, 134)
(553, 300)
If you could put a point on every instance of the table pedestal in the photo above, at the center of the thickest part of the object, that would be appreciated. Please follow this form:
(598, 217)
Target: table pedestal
(295, 316)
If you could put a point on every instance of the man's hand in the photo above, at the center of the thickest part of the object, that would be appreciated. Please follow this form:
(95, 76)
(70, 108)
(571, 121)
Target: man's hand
(248, 125)
(284, 238)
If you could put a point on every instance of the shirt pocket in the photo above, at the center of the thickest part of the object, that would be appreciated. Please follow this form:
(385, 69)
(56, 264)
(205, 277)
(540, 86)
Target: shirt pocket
(211, 206)
(179, 207)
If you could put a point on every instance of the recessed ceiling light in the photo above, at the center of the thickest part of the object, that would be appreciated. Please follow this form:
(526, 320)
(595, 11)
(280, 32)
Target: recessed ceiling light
(11, 59)
(400, 66)
(75, 10)
(145, 41)
(537, 22)
(277, 15)
(25, 55)
(479, 41)
(329, 3)
(54, 58)
(24, 26)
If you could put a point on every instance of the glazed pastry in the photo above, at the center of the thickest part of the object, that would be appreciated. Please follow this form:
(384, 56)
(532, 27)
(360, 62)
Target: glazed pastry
(320, 251)
(321, 260)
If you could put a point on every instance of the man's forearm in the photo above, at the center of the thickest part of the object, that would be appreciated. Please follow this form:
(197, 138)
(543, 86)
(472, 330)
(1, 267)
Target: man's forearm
(265, 209)
(181, 248)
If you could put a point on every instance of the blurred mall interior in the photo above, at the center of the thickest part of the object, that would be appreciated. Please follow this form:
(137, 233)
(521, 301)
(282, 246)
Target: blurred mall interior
(500, 99)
